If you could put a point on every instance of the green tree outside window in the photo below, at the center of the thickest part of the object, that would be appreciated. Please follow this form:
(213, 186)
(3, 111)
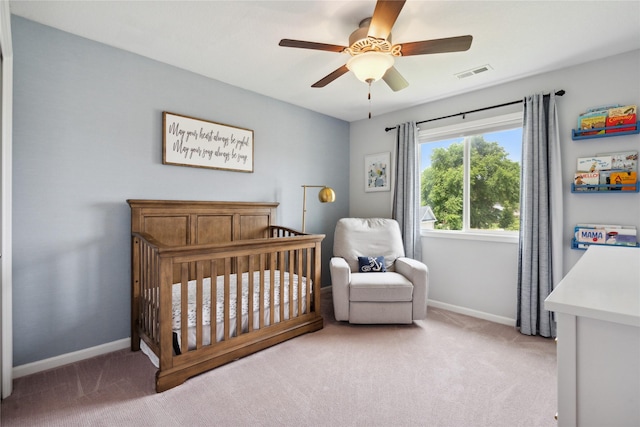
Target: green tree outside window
(494, 186)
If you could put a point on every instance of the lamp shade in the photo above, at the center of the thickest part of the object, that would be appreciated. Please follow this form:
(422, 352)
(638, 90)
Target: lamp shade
(370, 66)
(327, 195)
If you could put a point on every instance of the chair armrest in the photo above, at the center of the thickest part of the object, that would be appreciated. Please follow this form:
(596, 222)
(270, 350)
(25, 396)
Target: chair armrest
(340, 279)
(418, 274)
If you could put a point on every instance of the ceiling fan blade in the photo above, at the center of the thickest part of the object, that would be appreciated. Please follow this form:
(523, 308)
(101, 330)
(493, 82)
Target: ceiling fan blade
(331, 77)
(384, 16)
(394, 79)
(451, 44)
(311, 45)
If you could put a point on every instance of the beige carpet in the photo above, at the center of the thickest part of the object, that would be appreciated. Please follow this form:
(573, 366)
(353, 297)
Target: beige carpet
(449, 370)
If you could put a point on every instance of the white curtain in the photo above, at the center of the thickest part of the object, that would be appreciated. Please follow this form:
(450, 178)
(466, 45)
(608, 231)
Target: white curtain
(540, 247)
(406, 190)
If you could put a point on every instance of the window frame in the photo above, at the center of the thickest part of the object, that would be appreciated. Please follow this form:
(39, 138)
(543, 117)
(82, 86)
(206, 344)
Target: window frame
(468, 128)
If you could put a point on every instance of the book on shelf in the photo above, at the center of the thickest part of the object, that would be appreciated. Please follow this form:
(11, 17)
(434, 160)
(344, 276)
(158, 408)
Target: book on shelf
(621, 237)
(594, 163)
(623, 160)
(602, 108)
(586, 181)
(590, 225)
(624, 178)
(605, 234)
(591, 236)
(592, 120)
(605, 181)
(619, 116)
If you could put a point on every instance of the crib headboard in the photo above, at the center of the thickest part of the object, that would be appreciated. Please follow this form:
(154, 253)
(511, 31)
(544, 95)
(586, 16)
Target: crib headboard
(181, 222)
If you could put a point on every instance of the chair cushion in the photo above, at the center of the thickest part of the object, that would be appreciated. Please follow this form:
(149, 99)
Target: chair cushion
(387, 286)
(371, 264)
(356, 237)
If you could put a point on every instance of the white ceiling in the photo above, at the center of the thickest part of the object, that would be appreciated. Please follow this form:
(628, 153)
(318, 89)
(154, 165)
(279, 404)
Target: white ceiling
(236, 42)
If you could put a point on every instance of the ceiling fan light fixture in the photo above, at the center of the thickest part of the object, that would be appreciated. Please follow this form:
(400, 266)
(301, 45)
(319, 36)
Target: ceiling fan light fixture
(370, 66)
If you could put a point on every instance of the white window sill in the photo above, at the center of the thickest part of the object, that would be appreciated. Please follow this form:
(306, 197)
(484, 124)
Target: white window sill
(501, 237)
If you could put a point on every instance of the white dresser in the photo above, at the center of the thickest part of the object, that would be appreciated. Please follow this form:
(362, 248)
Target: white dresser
(597, 308)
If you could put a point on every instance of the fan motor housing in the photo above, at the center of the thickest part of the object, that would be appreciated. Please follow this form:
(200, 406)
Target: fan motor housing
(360, 42)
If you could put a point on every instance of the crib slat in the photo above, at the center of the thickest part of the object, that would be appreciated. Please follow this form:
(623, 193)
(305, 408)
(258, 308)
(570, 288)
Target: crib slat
(282, 258)
(238, 303)
(227, 322)
(145, 307)
(250, 274)
(316, 276)
(308, 276)
(153, 288)
(272, 302)
(150, 298)
(199, 303)
(299, 271)
(291, 272)
(143, 302)
(214, 303)
(184, 308)
(263, 298)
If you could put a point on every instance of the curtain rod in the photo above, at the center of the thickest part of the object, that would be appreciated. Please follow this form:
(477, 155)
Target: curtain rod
(558, 93)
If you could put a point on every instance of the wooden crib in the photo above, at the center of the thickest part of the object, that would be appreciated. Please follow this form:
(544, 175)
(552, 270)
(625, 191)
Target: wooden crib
(216, 281)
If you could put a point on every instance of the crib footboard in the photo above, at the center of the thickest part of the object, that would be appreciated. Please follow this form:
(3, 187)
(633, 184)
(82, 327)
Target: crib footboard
(200, 306)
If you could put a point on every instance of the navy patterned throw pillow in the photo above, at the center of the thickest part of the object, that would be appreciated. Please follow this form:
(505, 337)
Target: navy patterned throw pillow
(371, 264)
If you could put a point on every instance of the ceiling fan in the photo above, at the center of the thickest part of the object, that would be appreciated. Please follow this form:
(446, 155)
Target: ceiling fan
(371, 50)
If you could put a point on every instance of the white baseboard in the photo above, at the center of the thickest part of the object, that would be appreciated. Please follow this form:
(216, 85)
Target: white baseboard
(65, 359)
(473, 313)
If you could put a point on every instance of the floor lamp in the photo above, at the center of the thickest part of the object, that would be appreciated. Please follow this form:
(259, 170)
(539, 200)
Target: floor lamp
(326, 195)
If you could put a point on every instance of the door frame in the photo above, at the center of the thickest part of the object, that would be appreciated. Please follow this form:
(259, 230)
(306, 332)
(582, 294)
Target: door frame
(6, 153)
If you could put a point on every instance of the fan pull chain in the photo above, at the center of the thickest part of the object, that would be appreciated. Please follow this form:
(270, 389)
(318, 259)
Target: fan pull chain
(369, 98)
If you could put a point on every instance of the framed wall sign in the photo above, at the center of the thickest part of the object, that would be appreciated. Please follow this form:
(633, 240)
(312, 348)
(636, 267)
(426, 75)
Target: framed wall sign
(187, 141)
(377, 172)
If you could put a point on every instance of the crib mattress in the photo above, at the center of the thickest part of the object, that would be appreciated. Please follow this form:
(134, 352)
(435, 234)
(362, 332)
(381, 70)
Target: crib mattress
(233, 278)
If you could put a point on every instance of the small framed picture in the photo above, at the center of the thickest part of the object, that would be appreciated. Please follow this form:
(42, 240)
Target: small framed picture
(377, 169)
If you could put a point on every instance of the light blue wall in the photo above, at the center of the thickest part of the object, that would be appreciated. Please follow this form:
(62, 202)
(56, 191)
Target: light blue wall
(87, 136)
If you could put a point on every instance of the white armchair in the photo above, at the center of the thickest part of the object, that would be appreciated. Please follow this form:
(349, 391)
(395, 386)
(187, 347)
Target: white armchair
(364, 294)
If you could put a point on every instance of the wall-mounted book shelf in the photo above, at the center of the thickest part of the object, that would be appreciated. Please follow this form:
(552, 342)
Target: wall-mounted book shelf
(605, 188)
(586, 234)
(577, 134)
(584, 246)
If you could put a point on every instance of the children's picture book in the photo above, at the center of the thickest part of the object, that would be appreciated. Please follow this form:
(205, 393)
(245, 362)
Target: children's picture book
(605, 181)
(621, 237)
(586, 181)
(590, 225)
(624, 178)
(593, 236)
(619, 116)
(595, 163)
(602, 108)
(623, 160)
(593, 120)
(605, 234)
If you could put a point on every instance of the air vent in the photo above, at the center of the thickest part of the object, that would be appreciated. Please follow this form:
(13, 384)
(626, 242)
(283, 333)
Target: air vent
(477, 70)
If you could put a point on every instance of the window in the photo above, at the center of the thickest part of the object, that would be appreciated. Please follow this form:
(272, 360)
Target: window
(470, 175)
